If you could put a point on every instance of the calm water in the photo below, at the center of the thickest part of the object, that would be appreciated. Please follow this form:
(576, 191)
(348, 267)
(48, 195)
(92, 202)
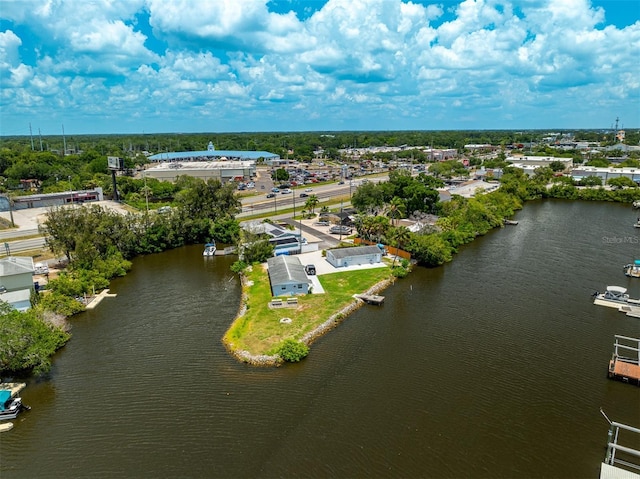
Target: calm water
(492, 366)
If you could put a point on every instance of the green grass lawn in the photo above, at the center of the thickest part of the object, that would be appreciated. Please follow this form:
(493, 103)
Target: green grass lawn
(259, 331)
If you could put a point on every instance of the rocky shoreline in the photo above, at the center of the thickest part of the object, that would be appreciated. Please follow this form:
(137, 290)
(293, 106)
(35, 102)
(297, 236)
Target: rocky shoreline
(333, 321)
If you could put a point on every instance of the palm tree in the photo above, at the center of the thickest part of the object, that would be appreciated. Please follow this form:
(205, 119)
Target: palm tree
(311, 203)
(399, 237)
(396, 209)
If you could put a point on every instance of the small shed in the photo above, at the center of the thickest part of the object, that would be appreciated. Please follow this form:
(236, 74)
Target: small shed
(343, 257)
(287, 276)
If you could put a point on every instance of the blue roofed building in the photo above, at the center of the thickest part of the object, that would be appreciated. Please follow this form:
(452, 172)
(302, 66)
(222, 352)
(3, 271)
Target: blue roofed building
(211, 154)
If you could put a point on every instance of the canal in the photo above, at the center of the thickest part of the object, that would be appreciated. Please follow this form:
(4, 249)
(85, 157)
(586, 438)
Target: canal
(491, 366)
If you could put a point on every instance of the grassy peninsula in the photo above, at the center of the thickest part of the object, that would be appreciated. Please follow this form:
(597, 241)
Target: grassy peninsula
(257, 332)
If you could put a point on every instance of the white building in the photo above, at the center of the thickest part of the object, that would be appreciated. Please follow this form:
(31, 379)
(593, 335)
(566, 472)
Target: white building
(606, 173)
(221, 170)
(343, 257)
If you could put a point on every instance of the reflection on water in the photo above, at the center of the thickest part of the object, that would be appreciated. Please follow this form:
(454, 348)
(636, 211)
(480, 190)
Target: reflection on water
(491, 366)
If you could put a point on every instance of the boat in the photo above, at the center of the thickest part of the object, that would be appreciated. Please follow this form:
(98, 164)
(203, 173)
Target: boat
(510, 222)
(10, 405)
(209, 249)
(615, 297)
(636, 204)
(637, 224)
(633, 269)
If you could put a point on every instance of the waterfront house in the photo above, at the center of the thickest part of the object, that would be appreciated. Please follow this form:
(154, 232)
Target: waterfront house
(16, 281)
(343, 257)
(287, 276)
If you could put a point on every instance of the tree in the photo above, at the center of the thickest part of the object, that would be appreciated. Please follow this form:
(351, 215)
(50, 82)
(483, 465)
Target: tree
(621, 182)
(293, 351)
(368, 198)
(399, 237)
(396, 209)
(557, 166)
(591, 181)
(280, 175)
(254, 247)
(311, 203)
(28, 341)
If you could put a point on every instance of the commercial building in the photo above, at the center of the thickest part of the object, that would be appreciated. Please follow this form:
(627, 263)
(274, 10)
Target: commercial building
(606, 173)
(220, 170)
(46, 200)
(211, 154)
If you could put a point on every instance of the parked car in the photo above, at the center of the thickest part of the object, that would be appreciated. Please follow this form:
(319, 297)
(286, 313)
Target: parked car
(337, 229)
(323, 223)
(286, 191)
(275, 190)
(271, 195)
(310, 269)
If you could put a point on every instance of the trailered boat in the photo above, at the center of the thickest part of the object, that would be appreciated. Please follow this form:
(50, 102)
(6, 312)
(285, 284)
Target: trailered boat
(633, 269)
(615, 297)
(209, 249)
(10, 406)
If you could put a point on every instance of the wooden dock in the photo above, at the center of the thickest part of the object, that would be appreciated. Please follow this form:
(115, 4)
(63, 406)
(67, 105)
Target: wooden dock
(371, 299)
(625, 361)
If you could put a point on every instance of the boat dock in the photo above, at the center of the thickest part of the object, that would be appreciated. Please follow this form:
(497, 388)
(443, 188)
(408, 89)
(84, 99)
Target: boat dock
(15, 388)
(98, 298)
(371, 298)
(625, 361)
(621, 462)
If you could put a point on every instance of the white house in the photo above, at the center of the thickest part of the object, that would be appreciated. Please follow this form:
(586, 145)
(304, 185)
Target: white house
(343, 257)
(16, 281)
(287, 276)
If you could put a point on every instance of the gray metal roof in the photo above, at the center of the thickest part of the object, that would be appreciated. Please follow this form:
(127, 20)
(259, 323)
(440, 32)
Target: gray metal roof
(16, 265)
(340, 253)
(286, 269)
(212, 155)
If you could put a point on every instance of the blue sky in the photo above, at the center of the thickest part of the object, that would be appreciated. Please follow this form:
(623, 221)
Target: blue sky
(151, 66)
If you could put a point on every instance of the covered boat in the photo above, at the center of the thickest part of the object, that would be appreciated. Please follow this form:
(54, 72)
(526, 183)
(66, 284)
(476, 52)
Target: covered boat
(633, 269)
(615, 297)
(209, 249)
(9, 406)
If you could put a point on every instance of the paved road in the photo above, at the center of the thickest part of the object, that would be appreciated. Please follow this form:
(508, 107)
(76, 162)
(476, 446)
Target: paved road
(326, 240)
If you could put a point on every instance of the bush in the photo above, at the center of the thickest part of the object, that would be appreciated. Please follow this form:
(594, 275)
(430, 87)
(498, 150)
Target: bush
(293, 351)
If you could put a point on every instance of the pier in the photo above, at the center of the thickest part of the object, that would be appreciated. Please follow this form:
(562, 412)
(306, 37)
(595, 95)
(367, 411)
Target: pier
(371, 298)
(621, 462)
(625, 361)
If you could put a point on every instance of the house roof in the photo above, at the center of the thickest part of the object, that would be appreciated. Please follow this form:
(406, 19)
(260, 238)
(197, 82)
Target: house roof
(274, 231)
(341, 253)
(20, 300)
(16, 265)
(286, 269)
